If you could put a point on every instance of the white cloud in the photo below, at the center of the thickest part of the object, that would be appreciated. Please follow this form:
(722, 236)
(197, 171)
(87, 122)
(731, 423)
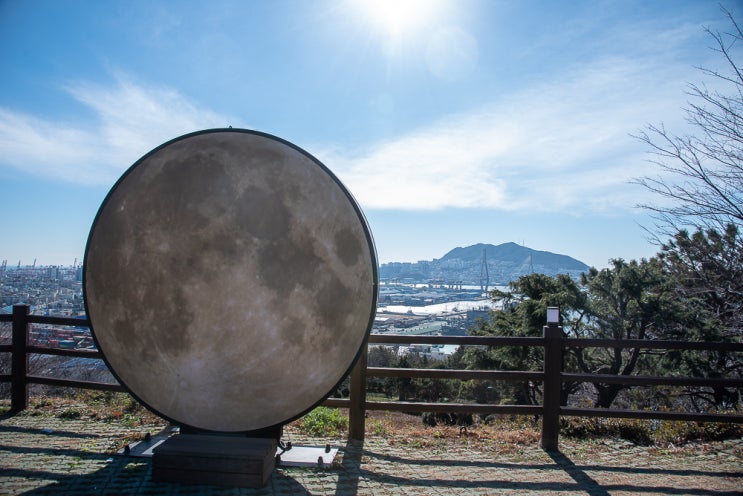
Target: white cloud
(131, 119)
(43, 147)
(568, 139)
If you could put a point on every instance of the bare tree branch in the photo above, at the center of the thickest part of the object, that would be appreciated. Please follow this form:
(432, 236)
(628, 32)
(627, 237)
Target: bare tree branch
(701, 176)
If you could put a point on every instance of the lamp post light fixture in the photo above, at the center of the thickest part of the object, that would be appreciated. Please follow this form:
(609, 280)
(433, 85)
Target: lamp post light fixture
(553, 316)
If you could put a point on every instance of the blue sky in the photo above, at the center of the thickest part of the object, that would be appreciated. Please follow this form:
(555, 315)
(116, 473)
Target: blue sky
(452, 123)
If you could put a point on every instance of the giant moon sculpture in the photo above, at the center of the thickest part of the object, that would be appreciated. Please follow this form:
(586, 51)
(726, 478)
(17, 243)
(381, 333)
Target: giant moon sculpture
(230, 280)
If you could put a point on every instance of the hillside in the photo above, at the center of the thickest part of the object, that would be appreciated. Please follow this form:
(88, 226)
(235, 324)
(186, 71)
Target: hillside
(505, 262)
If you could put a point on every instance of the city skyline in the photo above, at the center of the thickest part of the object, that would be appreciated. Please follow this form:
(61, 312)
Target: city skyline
(452, 123)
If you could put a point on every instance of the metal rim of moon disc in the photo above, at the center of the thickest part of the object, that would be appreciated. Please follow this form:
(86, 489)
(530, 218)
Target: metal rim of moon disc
(230, 280)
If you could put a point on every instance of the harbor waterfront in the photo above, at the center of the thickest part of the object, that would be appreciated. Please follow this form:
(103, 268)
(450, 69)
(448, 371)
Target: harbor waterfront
(453, 307)
(411, 308)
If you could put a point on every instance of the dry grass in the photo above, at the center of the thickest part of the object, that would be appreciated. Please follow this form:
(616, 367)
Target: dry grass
(92, 405)
(506, 434)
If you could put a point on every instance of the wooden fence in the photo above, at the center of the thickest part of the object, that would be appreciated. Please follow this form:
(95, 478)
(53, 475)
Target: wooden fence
(551, 376)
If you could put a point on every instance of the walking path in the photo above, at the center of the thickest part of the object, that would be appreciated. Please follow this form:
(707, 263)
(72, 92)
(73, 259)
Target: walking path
(42, 454)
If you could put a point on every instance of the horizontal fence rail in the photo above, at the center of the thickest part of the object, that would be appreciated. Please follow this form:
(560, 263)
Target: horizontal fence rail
(494, 341)
(20, 349)
(650, 415)
(485, 409)
(651, 344)
(464, 375)
(553, 342)
(52, 381)
(644, 380)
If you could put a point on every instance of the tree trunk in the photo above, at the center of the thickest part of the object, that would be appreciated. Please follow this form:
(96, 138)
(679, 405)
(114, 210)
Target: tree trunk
(606, 394)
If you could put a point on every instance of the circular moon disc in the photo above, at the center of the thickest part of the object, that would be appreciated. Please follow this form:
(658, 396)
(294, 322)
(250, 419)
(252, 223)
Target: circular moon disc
(230, 280)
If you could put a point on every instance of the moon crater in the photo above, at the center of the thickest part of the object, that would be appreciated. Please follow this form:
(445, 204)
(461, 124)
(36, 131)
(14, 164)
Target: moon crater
(230, 280)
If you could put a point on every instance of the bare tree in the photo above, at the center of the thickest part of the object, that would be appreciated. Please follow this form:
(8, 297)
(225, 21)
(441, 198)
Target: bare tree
(704, 172)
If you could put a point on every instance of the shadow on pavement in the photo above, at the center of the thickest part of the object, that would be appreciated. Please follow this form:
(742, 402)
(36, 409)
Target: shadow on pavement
(588, 484)
(69, 470)
(581, 481)
(126, 475)
(350, 470)
(56, 462)
(30, 430)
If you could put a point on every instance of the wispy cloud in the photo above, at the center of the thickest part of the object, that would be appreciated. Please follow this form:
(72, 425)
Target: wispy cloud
(561, 144)
(131, 119)
(558, 144)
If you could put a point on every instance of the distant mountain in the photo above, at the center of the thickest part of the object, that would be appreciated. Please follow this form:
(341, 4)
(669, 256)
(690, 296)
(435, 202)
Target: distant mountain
(505, 262)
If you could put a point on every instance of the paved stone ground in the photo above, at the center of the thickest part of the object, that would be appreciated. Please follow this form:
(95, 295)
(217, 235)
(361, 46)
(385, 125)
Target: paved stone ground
(41, 454)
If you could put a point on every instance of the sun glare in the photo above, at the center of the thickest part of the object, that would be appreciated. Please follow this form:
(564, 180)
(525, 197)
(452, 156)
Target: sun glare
(398, 18)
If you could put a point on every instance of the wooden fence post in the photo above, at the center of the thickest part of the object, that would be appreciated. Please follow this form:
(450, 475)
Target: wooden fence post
(357, 408)
(551, 395)
(19, 359)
